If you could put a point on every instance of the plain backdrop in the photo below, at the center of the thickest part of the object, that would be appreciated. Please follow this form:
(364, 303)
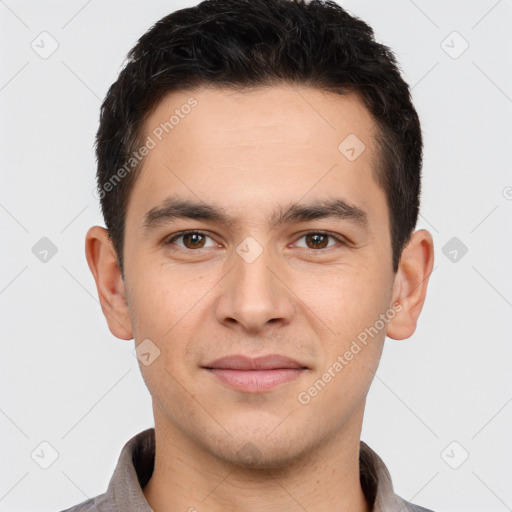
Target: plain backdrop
(440, 407)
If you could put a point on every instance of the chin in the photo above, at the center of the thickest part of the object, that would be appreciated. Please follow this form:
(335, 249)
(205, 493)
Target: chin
(250, 456)
(261, 451)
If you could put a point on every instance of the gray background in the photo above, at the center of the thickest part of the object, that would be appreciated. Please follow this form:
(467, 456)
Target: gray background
(67, 381)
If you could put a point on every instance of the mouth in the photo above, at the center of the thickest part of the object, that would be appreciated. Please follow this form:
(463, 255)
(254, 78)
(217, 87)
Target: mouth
(254, 375)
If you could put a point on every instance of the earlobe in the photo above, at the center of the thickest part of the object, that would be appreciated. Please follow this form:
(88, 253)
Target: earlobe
(410, 286)
(102, 261)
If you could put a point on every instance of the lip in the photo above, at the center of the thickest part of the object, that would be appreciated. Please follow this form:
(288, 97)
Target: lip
(254, 375)
(268, 362)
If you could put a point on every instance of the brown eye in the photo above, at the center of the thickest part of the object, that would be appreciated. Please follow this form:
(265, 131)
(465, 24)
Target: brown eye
(317, 240)
(191, 240)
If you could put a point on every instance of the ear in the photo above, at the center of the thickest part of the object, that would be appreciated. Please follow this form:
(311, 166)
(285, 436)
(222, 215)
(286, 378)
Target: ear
(410, 285)
(102, 259)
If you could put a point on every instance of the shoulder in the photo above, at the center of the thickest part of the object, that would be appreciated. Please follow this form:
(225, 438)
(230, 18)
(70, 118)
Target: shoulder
(91, 505)
(405, 506)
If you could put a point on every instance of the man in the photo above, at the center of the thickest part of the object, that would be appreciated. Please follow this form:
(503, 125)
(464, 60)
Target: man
(259, 174)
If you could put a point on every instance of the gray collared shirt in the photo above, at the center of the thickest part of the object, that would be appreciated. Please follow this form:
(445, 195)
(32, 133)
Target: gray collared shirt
(136, 462)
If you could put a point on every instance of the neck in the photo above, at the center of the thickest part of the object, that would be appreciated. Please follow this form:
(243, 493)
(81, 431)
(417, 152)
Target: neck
(188, 478)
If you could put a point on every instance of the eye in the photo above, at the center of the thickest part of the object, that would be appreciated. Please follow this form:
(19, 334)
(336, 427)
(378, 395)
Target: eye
(191, 240)
(318, 240)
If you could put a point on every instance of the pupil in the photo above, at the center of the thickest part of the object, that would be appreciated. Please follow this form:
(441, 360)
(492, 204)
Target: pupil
(318, 240)
(195, 239)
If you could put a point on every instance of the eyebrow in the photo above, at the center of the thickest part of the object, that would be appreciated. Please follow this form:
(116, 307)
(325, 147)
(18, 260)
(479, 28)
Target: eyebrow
(174, 208)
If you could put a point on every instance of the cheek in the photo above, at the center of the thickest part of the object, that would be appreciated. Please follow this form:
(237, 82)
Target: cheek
(346, 300)
(168, 306)
(162, 297)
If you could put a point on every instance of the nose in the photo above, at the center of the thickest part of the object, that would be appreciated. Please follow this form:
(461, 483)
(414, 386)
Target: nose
(254, 296)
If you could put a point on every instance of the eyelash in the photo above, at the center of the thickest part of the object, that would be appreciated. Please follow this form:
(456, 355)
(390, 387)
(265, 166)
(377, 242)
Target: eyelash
(181, 234)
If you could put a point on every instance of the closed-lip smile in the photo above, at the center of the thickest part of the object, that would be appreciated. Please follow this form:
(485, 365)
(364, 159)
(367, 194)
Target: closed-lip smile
(255, 374)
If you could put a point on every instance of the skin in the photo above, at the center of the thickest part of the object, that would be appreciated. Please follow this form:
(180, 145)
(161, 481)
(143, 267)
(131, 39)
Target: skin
(251, 154)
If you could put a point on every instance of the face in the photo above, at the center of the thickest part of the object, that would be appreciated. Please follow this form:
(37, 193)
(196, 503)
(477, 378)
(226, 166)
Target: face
(256, 229)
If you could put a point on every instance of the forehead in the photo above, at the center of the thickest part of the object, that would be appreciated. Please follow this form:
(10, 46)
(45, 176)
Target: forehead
(260, 146)
(260, 115)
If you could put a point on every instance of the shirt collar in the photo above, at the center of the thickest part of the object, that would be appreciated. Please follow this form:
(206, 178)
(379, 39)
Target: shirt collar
(136, 462)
